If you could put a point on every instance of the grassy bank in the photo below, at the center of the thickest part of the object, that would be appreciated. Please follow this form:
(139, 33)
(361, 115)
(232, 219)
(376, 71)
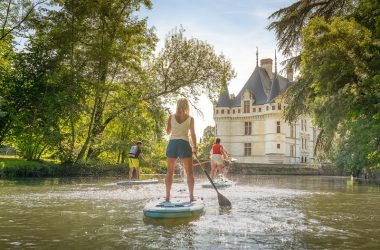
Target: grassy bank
(11, 167)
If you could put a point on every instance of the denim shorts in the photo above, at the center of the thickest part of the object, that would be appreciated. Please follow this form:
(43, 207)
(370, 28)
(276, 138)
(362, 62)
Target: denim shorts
(179, 149)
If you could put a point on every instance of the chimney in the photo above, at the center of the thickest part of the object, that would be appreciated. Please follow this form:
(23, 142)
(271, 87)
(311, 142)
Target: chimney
(267, 64)
(289, 74)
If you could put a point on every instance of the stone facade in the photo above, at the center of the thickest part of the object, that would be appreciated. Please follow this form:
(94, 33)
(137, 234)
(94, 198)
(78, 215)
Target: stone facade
(251, 126)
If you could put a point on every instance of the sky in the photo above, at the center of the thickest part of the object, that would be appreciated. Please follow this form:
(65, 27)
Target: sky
(234, 27)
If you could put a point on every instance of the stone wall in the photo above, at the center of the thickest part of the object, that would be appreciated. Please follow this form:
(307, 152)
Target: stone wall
(283, 169)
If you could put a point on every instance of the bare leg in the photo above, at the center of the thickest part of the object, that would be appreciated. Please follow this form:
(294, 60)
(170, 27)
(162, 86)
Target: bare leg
(130, 172)
(188, 165)
(220, 169)
(224, 171)
(213, 169)
(169, 177)
(138, 173)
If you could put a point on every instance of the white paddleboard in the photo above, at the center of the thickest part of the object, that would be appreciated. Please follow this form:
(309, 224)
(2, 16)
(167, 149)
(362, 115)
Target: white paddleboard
(219, 183)
(178, 207)
(137, 182)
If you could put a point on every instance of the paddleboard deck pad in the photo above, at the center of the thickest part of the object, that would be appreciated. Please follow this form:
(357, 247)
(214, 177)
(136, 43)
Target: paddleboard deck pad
(137, 182)
(178, 207)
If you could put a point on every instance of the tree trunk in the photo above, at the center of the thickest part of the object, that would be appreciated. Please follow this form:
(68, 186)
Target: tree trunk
(4, 127)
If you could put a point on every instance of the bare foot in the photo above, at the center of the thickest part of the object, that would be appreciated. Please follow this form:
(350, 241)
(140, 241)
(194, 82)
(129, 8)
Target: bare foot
(167, 199)
(192, 199)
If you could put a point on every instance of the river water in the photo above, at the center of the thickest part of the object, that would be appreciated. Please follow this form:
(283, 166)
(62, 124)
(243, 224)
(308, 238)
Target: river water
(269, 212)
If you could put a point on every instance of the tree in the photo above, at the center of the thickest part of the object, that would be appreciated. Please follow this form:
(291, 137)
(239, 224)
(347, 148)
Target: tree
(35, 101)
(7, 55)
(208, 139)
(14, 14)
(339, 85)
(87, 83)
(290, 21)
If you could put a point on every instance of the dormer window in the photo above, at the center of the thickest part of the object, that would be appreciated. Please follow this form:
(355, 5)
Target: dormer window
(273, 107)
(246, 106)
(217, 111)
(222, 111)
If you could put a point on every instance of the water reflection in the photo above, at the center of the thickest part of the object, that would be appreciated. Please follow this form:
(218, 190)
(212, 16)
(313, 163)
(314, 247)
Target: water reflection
(269, 212)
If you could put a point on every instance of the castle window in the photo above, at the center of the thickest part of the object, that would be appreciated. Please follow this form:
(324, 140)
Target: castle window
(247, 149)
(291, 150)
(267, 108)
(278, 146)
(278, 127)
(291, 131)
(305, 125)
(233, 111)
(273, 107)
(217, 111)
(301, 124)
(254, 110)
(259, 109)
(222, 111)
(246, 106)
(247, 128)
(239, 111)
(228, 111)
(279, 106)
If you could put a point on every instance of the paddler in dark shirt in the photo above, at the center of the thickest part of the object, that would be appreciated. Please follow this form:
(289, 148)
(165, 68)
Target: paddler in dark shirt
(134, 154)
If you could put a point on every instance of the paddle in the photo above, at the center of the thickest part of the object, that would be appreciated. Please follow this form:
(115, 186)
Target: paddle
(223, 201)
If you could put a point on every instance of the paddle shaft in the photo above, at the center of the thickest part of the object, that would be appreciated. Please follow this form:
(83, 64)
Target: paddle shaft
(223, 201)
(209, 178)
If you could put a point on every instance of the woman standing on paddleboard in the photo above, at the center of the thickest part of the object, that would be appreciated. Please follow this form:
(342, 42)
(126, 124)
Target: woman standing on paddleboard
(179, 126)
(218, 153)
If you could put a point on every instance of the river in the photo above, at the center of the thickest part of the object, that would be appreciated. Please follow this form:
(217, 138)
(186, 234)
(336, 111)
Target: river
(269, 212)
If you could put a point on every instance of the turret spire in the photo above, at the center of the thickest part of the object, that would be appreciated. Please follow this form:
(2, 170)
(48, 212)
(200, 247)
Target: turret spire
(275, 62)
(257, 56)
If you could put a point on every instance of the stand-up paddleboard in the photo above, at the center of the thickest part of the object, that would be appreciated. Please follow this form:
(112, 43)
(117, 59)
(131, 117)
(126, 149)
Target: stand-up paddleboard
(219, 183)
(177, 208)
(137, 182)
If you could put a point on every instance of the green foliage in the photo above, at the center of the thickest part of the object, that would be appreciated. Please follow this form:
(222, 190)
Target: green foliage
(6, 57)
(339, 86)
(358, 145)
(14, 16)
(188, 67)
(16, 167)
(208, 139)
(86, 84)
(289, 22)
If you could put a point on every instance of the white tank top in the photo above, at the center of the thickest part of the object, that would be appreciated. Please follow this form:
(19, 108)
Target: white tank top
(180, 130)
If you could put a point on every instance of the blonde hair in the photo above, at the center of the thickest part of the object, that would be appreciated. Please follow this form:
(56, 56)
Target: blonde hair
(183, 107)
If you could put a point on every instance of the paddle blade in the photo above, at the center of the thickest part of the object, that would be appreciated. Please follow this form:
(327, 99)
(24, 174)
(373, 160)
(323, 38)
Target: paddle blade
(223, 201)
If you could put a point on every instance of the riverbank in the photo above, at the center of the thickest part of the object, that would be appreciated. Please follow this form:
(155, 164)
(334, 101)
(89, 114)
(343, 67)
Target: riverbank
(11, 167)
(285, 169)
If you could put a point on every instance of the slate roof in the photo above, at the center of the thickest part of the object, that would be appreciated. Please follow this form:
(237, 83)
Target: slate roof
(275, 90)
(224, 98)
(259, 84)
